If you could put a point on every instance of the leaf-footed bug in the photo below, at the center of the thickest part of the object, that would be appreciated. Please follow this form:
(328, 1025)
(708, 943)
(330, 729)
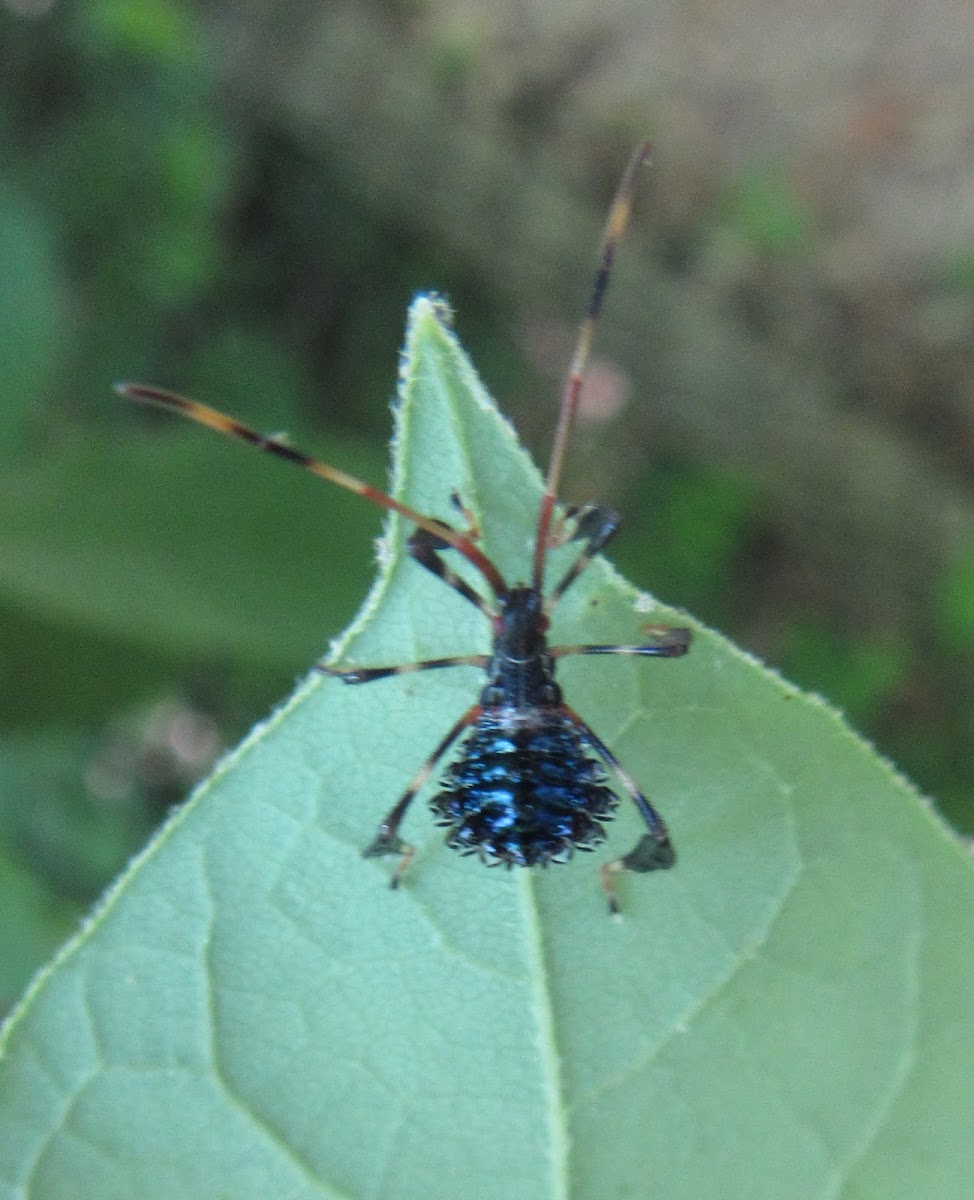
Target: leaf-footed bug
(527, 786)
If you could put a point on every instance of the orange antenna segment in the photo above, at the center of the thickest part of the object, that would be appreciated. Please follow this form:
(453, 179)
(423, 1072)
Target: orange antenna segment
(202, 414)
(615, 227)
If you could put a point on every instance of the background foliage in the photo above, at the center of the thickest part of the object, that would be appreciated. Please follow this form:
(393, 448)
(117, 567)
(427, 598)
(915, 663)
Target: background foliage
(169, 211)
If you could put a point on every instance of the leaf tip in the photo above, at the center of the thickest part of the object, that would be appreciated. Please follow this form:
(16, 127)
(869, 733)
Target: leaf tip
(430, 306)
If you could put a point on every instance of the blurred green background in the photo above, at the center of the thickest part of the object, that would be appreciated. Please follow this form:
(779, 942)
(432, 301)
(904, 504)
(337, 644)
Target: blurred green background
(238, 202)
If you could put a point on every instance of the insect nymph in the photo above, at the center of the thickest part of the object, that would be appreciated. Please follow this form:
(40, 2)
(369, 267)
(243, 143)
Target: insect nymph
(527, 785)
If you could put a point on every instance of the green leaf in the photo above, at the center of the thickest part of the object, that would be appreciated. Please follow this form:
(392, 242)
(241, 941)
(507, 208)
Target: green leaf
(251, 1012)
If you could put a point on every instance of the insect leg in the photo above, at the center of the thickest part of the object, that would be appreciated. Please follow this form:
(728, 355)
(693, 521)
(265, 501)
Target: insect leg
(672, 641)
(473, 529)
(597, 526)
(427, 549)
(387, 839)
(368, 674)
(654, 850)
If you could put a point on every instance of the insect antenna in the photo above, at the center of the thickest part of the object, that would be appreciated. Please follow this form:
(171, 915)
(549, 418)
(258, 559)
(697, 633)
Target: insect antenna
(202, 414)
(614, 229)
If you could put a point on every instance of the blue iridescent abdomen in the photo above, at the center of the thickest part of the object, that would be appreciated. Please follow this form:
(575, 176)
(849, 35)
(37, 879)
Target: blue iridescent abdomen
(523, 790)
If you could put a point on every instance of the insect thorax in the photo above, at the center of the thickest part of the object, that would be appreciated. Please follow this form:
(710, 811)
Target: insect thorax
(521, 672)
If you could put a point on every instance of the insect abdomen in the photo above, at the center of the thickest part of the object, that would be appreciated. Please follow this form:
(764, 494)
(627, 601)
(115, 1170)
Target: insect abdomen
(523, 790)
